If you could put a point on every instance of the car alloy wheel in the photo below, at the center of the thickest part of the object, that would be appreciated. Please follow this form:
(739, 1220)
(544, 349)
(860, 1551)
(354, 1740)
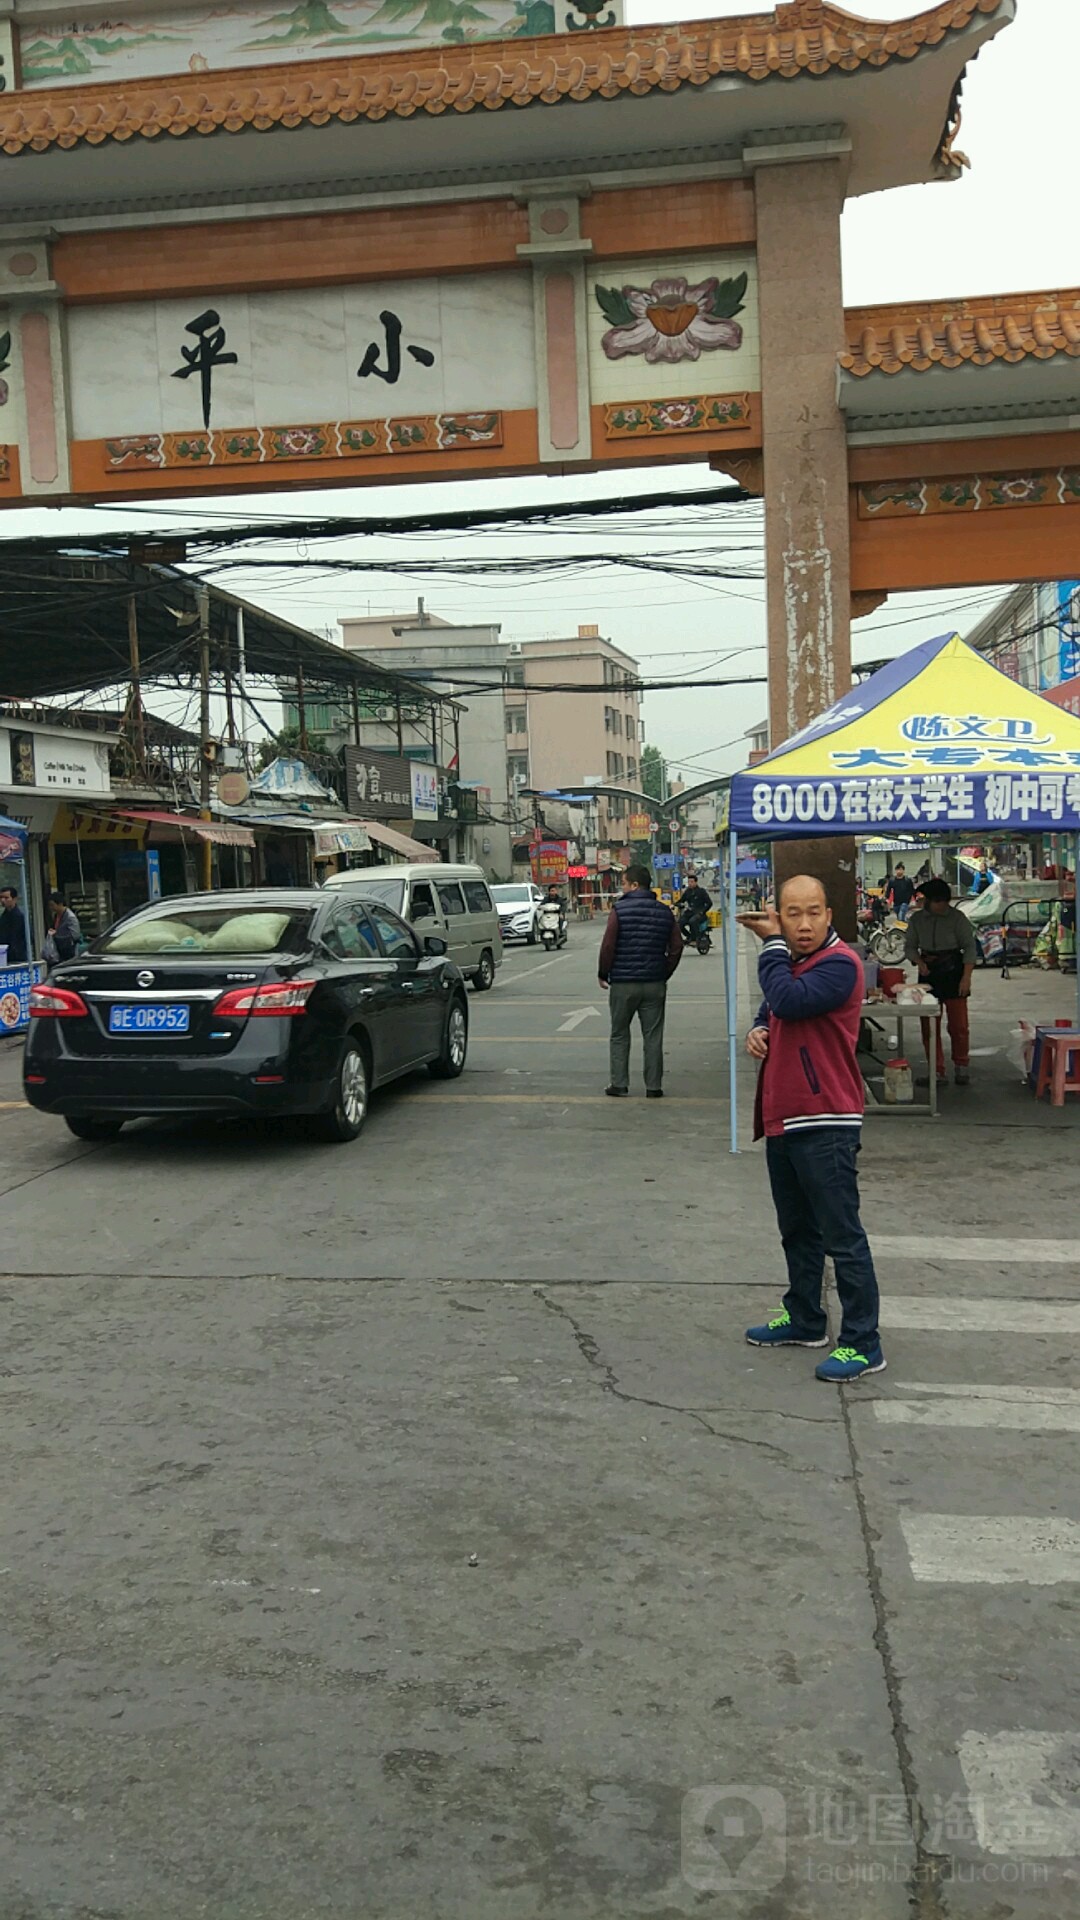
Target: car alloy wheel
(344, 1120)
(450, 1060)
(353, 1095)
(456, 1038)
(484, 977)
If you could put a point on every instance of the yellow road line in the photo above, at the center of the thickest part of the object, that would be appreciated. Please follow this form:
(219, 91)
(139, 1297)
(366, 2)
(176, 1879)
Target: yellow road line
(6, 1106)
(547, 1099)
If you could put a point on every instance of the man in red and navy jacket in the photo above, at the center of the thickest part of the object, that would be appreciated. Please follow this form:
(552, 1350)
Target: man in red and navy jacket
(810, 1109)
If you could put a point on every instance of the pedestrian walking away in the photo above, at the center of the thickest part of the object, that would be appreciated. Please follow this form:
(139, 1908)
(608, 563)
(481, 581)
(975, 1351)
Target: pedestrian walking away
(13, 928)
(810, 1108)
(62, 939)
(900, 892)
(941, 943)
(641, 948)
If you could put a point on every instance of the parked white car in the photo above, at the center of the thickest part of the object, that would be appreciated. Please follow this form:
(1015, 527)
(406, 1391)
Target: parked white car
(517, 907)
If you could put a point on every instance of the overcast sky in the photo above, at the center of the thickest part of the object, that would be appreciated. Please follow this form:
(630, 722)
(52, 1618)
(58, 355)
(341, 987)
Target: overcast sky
(1004, 226)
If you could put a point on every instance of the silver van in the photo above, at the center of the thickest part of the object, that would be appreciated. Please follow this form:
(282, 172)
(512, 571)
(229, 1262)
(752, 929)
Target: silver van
(453, 903)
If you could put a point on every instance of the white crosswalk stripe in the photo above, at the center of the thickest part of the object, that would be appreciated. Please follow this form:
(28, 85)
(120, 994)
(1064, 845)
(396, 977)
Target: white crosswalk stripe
(1011, 1409)
(1022, 1792)
(930, 1313)
(1018, 1253)
(990, 1549)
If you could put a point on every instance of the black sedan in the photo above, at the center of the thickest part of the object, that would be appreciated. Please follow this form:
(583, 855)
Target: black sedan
(263, 1003)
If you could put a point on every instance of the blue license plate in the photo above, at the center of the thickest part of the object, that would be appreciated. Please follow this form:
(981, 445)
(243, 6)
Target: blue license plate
(158, 1018)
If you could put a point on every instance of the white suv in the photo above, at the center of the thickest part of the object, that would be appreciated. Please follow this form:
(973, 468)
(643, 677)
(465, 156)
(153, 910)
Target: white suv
(517, 907)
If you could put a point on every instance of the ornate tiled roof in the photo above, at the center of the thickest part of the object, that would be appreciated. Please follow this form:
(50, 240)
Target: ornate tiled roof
(948, 333)
(800, 37)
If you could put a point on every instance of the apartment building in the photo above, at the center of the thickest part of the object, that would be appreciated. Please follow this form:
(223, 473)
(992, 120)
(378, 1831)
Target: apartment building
(572, 740)
(467, 663)
(1033, 635)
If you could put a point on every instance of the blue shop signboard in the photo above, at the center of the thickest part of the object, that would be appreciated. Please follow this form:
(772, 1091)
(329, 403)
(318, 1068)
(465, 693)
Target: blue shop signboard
(15, 985)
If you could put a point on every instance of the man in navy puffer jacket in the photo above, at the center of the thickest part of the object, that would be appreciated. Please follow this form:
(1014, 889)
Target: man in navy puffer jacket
(641, 948)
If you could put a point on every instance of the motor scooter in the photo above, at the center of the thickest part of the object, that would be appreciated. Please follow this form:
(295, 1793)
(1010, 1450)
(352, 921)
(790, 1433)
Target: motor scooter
(551, 924)
(696, 933)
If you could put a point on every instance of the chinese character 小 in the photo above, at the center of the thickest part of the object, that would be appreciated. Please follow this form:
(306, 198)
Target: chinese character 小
(391, 326)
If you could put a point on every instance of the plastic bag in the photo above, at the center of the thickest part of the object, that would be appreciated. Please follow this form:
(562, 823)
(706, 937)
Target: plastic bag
(1021, 1048)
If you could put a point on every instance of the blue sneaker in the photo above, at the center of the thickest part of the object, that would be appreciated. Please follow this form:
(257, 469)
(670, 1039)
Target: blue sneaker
(847, 1363)
(781, 1333)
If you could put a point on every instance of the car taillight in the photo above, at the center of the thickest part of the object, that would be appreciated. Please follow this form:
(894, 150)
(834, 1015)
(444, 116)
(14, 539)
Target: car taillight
(57, 1003)
(278, 999)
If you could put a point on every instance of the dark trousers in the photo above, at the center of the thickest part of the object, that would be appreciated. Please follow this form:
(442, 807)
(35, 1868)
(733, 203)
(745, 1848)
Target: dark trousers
(815, 1190)
(646, 999)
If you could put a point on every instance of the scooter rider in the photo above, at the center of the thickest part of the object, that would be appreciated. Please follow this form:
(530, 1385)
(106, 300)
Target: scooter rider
(693, 904)
(553, 898)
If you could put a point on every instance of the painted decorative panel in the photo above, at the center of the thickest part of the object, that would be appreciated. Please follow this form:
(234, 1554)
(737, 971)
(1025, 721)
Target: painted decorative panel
(972, 493)
(457, 349)
(333, 440)
(698, 413)
(673, 325)
(198, 39)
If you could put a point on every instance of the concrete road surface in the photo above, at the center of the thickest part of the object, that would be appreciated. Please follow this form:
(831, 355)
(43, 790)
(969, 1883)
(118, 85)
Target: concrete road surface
(404, 1531)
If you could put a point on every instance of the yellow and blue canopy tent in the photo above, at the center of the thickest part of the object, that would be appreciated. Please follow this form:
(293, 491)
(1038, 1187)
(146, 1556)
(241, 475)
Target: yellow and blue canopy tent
(938, 741)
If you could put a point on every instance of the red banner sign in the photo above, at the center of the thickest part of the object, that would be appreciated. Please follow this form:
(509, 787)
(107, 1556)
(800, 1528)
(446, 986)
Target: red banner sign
(549, 863)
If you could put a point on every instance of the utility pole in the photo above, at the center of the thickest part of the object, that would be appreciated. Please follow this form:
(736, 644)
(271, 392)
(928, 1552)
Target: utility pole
(202, 601)
(241, 677)
(138, 719)
(301, 707)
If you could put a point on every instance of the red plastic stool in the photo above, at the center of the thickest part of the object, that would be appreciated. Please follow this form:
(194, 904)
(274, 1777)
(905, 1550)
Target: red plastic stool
(1059, 1065)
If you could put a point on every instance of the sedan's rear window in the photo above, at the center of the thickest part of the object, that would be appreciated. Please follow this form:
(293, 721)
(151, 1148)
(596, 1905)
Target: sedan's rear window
(211, 930)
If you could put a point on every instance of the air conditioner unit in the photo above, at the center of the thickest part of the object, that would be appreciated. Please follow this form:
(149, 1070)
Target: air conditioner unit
(515, 649)
(384, 713)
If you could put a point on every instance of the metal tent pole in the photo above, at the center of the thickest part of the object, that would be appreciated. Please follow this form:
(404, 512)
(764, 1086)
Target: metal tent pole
(732, 989)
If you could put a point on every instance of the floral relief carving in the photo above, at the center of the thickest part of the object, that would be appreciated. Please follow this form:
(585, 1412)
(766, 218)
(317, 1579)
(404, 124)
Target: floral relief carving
(672, 320)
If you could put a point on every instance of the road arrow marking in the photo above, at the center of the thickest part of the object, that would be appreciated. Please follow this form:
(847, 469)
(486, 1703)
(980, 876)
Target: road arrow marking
(575, 1019)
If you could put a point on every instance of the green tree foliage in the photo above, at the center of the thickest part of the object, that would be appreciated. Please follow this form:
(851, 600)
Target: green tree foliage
(652, 772)
(286, 746)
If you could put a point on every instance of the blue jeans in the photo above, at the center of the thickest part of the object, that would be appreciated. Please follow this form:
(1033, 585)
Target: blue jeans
(815, 1191)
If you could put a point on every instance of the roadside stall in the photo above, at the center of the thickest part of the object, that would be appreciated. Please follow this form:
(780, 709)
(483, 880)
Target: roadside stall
(15, 980)
(937, 742)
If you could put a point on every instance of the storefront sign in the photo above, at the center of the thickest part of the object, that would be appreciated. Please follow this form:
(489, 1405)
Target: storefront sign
(425, 792)
(15, 985)
(84, 823)
(1069, 624)
(64, 761)
(379, 784)
(347, 838)
(640, 826)
(1067, 696)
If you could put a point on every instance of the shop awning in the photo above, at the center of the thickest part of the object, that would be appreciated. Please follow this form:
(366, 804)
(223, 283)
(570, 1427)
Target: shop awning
(397, 842)
(215, 830)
